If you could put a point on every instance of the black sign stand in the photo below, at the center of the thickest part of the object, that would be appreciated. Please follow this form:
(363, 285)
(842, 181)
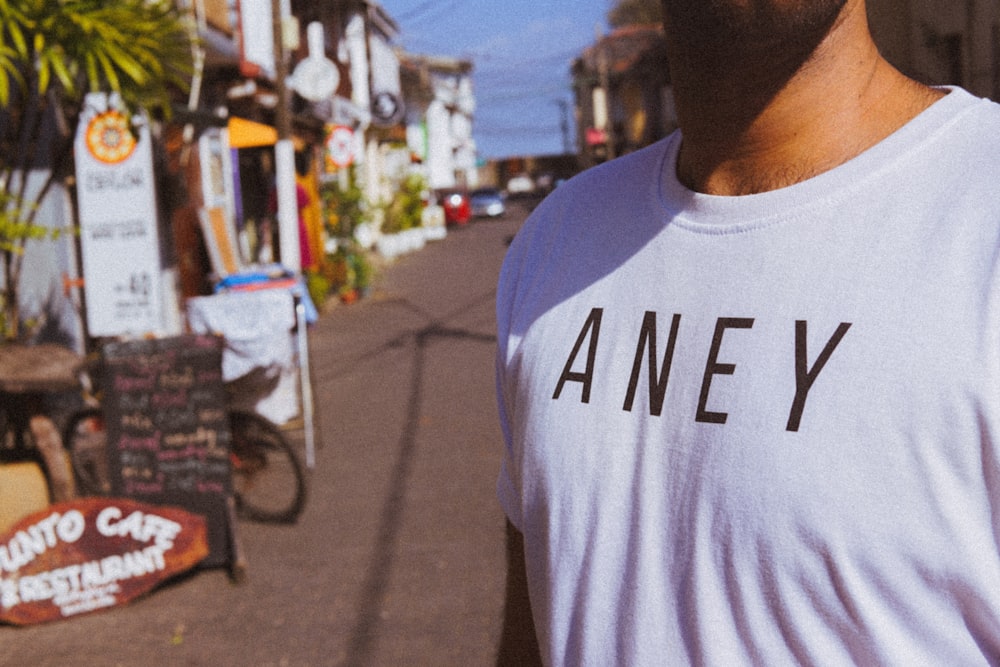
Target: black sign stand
(168, 433)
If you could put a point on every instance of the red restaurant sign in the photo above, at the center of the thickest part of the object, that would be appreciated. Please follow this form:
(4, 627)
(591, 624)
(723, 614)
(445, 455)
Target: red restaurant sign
(91, 553)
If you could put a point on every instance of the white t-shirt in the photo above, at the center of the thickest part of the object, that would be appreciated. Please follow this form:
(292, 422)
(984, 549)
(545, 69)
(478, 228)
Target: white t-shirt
(814, 476)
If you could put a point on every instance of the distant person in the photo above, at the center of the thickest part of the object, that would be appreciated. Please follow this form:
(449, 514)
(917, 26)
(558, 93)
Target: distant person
(302, 200)
(749, 377)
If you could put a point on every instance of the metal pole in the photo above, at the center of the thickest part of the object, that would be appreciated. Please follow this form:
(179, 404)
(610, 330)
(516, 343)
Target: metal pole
(305, 383)
(288, 216)
(284, 152)
(282, 115)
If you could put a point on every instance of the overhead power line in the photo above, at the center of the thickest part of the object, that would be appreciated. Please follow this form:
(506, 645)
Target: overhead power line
(505, 65)
(499, 96)
(522, 130)
(429, 8)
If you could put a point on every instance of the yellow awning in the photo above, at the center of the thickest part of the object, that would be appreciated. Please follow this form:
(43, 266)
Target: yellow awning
(245, 133)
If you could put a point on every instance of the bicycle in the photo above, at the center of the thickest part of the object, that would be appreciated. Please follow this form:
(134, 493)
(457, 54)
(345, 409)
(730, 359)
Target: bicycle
(268, 479)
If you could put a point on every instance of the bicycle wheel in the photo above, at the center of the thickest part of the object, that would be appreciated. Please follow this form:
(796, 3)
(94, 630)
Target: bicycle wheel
(268, 481)
(86, 441)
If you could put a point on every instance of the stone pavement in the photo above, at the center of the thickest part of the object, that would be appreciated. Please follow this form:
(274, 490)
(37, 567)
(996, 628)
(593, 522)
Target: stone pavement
(399, 557)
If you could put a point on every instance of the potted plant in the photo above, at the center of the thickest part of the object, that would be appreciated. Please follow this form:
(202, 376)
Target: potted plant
(363, 272)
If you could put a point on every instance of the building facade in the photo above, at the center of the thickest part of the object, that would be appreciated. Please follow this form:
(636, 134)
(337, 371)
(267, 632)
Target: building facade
(440, 108)
(622, 88)
(942, 41)
(271, 75)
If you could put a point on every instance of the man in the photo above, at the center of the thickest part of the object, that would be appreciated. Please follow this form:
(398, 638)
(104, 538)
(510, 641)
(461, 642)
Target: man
(749, 377)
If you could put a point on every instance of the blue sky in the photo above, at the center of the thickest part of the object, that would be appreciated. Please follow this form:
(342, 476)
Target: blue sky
(521, 49)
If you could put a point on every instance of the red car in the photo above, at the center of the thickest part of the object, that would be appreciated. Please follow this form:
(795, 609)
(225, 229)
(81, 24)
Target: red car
(457, 209)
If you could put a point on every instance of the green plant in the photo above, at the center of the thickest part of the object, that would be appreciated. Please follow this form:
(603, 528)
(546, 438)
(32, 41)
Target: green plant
(53, 52)
(407, 206)
(363, 270)
(344, 208)
(16, 229)
(318, 286)
(348, 271)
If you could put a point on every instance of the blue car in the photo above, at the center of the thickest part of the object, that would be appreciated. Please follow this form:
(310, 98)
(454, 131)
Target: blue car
(487, 203)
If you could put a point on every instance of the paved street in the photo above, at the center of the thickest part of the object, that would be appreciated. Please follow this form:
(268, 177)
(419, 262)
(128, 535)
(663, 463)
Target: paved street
(399, 556)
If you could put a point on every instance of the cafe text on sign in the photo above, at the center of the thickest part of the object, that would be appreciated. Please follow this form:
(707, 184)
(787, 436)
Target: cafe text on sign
(92, 553)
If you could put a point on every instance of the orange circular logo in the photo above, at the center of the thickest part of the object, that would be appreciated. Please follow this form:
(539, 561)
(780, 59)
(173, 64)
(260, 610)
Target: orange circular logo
(109, 138)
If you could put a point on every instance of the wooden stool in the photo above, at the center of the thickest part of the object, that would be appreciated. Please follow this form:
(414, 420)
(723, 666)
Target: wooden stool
(27, 374)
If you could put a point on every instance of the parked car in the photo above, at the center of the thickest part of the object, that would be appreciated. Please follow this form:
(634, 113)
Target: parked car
(487, 203)
(520, 185)
(457, 209)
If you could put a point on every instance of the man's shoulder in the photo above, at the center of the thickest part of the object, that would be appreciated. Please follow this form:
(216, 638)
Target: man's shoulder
(958, 136)
(973, 115)
(597, 210)
(631, 168)
(618, 184)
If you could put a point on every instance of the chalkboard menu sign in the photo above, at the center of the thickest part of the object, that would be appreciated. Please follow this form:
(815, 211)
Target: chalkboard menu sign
(168, 431)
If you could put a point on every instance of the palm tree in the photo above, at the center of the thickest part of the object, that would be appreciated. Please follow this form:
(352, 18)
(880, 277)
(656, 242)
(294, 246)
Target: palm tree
(52, 53)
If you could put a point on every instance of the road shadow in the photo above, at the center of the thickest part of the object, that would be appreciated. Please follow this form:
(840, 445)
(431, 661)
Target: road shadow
(375, 587)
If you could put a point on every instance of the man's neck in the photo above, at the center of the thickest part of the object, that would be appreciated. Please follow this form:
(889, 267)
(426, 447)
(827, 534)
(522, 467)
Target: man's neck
(761, 124)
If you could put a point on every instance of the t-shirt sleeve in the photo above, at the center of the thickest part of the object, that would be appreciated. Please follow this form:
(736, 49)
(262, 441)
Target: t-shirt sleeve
(508, 481)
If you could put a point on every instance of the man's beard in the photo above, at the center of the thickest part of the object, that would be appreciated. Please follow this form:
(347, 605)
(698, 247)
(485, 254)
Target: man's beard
(751, 26)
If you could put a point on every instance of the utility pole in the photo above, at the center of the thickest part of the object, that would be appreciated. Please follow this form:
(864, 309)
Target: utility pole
(564, 125)
(602, 102)
(284, 150)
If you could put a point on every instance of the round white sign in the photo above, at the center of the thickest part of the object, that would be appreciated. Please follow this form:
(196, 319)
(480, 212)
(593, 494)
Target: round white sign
(340, 146)
(315, 78)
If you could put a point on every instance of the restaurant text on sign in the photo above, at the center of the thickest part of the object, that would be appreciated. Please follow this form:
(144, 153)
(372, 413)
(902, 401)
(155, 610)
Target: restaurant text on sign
(92, 553)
